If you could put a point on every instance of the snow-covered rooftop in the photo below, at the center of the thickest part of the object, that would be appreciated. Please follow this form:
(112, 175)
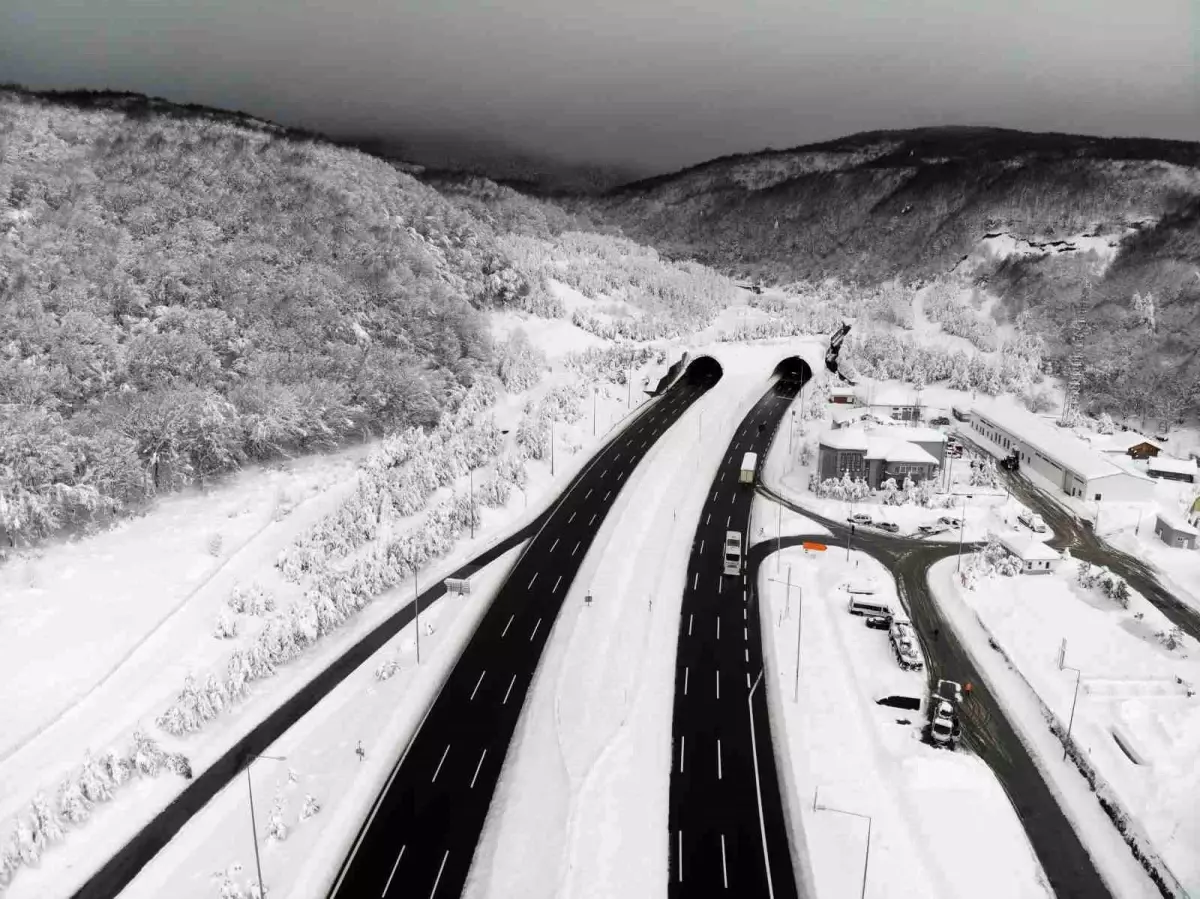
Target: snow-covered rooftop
(1028, 549)
(876, 445)
(1060, 445)
(843, 416)
(845, 439)
(1176, 523)
(1121, 441)
(1174, 466)
(898, 451)
(912, 435)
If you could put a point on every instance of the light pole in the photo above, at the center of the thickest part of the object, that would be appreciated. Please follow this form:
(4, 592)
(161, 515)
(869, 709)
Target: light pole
(253, 823)
(962, 526)
(867, 818)
(799, 624)
(1071, 720)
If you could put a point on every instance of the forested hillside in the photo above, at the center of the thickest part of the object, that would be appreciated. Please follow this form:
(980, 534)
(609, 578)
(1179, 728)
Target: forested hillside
(183, 290)
(914, 205)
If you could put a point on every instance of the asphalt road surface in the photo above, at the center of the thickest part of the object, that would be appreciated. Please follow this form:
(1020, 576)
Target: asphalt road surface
(421, 835)
(986, 730)
(728, 833)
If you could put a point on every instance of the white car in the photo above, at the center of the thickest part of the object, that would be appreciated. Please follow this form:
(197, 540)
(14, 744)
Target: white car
(1033, 521)
(859, 518)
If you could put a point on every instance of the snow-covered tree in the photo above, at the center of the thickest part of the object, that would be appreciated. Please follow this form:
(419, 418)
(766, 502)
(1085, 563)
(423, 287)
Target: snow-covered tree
(227, 884)
(226, 627)
(1084, 575)
(310, 808)
(1121, 593)
(889, 493)
(45, 819)
(93, 780)
(178, 763)
(117, 767)
(28, 843)
(73, 805)
(1104, 424)
(387, 669)
(147, 757)
(277, 828)
(10, 860)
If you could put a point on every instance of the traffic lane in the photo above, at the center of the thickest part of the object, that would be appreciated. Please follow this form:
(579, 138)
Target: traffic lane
(441, 810)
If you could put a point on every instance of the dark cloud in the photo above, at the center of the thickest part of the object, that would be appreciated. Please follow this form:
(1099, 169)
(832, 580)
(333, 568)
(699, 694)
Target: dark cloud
(654, 83)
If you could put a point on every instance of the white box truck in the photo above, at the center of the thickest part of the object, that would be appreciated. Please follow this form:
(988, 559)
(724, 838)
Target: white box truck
(733, 552)
(749, 464)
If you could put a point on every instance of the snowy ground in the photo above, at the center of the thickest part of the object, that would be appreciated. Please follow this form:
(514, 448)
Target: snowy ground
(1025, 710)
(941, 824)
(320, 750)
(581, 808)
(99, 633)
(1132, 689)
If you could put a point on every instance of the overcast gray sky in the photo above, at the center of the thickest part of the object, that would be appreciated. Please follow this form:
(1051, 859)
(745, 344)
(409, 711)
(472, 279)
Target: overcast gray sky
(654, 83)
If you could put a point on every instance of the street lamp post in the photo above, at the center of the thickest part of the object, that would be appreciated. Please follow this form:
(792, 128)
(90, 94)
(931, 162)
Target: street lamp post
(1071, 720)
(253, 823)
(799, 625)
(867, 818)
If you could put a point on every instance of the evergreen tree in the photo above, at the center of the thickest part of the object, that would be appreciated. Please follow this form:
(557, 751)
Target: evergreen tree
(73, 805)
(46, 821)
(93, 781)
(311, 807)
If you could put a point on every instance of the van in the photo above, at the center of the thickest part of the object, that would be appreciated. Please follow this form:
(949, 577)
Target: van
(859, 606)
(749, 465)
(733, 552)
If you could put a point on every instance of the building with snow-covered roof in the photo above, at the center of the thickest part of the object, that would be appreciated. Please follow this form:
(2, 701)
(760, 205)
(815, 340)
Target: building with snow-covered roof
(1127, 443)
(1172, 469)
(872, 457)
(842, 395)
(1174, 531)
(844, 418)
(1055, 454)
(888, 401)
(1034, 555)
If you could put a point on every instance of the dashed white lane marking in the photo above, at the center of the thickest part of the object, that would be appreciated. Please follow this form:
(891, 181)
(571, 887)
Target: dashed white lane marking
(720, 582)
(576, 547)
(682, 746)
(708, 518)
(556, 583)
(679, 855)
(747, 680)
(438, 879)
(514, 680)
(728, 518)
(745, 632)
(718, 627)
(719, 778)
(535, 627)
(732, 498)
(394, 867)
(440, 763)
(695, 580)
(718, 683)
(477, 767)
(554, 544)
(701, 547)
(747, 655)
(714, 496)
(685, 681)
(724, 867)
(607, 494)
(690, 617)
(507, 626)
(589, 493)
(603, 473)
(743, 614)
(572, 518)
(477, 683)
(592, 522)
(532, 579)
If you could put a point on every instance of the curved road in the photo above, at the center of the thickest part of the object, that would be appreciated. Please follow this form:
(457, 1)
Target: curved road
(986, 730)
(421, 834)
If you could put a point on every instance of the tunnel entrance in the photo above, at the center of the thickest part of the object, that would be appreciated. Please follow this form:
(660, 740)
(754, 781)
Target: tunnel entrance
(793, 368)
(704, 370)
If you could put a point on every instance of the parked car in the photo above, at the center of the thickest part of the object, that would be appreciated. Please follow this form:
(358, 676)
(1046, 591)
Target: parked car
(950, 521)
(1033, 521)
(954, 450)
(930, 529)
(940, 421)
(859, 518)
(879, 622)
(890, 526)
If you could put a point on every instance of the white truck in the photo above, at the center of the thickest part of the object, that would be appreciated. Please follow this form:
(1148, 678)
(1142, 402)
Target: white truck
(733, 552)
(1033, 521)
(943, 728)
(905, 645)
(749, 465)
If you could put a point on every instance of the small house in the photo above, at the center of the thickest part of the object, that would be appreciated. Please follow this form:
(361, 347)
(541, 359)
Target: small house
(1034, 555)
(1129, 443)
(1174, 531)
(843, 396)
(1172, 469)
(844, 418)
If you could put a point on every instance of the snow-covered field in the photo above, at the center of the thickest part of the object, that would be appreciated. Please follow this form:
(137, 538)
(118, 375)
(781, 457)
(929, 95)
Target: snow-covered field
(1134, 720)
(941, 824)
(320, 750)
(581, 808)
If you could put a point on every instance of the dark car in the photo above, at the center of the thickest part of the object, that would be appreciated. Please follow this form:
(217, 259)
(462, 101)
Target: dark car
(879, 622)
(890, 526)
(941, 420)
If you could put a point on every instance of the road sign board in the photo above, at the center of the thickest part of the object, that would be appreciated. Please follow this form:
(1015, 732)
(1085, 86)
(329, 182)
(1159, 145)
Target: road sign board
(814, 547)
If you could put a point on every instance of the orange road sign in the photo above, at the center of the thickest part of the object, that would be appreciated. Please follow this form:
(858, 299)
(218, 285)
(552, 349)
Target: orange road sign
(815, 547)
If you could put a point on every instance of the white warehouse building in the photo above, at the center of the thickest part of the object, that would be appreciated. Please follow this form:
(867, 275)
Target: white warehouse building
(1058, 456)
